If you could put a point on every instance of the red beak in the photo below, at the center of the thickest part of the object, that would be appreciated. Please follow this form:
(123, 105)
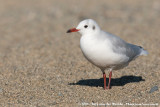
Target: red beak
(72, 30)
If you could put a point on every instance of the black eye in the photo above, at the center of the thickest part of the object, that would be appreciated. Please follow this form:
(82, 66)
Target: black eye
(85, 26)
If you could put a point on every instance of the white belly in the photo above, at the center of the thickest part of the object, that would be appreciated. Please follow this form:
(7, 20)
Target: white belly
(99, 52)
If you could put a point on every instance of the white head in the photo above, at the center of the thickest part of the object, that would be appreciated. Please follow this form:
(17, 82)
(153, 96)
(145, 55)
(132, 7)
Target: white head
(87, 26)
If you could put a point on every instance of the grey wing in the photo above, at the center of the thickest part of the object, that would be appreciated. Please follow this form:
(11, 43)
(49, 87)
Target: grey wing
(132, 51)
(121, 47)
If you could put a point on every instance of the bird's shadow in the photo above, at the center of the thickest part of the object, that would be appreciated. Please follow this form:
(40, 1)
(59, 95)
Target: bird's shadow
(114, 81)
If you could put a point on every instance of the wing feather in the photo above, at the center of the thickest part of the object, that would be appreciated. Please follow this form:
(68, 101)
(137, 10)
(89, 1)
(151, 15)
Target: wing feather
(119, 46)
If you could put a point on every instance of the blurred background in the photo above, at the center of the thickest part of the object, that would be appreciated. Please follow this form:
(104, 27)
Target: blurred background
(38, 59)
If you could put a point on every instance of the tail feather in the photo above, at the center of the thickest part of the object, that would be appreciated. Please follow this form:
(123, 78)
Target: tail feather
(144, 52)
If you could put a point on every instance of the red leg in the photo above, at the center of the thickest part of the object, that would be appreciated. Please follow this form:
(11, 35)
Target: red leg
(104, 77)
(110, 75)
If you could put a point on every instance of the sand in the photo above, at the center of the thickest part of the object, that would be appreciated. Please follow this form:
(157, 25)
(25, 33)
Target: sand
(41, 65)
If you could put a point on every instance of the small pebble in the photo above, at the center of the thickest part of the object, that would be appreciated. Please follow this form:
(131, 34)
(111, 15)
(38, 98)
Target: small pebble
(153, 89)
(60, 94)
(51, 104)
(1, 90)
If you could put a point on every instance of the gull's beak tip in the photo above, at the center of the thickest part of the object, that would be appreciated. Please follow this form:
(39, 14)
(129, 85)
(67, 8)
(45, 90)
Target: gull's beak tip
(72, 30)
(68, 31)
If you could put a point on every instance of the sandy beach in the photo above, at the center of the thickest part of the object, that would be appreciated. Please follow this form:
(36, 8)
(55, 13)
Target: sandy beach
(41, 65)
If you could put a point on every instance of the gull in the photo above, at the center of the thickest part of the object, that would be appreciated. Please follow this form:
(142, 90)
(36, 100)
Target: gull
(105, 50)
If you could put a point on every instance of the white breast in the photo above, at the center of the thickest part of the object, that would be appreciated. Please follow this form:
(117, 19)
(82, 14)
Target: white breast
(99, 52)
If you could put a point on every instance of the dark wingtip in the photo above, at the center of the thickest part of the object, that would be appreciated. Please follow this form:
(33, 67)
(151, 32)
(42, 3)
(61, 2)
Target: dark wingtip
(68, 31)
(140, 46)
